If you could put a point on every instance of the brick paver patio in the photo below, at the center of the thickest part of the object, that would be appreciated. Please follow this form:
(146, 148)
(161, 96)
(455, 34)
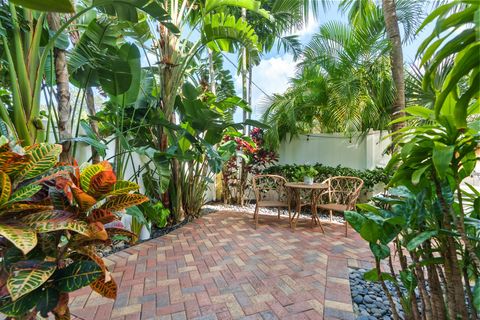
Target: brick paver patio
(219, 267)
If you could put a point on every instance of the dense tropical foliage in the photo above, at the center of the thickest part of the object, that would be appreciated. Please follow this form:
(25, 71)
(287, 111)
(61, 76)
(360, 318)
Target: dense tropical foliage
(429, 215)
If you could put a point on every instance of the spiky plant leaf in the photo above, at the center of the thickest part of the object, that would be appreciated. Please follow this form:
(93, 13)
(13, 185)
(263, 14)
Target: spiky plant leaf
(107, 289)
(123, 201)
(28, 276)
(22, 237)
(24, 193)
(77, 275)
(122, 187)
(5, 187)
(43, 157)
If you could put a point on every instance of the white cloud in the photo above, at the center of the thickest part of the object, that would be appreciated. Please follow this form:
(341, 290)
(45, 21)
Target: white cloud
(309, 29)
(272, 75)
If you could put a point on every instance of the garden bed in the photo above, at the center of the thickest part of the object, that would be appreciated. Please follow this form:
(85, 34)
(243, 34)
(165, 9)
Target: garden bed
(369, 300)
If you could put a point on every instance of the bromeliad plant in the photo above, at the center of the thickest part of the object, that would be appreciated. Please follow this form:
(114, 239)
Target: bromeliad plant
(434, 224)
(51, 217)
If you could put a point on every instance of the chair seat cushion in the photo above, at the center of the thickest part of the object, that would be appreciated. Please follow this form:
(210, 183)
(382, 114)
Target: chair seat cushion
(333, 207)
(272, 203)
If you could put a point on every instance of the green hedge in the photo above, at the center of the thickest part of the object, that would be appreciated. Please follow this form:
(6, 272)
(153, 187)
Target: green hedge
(293, 173)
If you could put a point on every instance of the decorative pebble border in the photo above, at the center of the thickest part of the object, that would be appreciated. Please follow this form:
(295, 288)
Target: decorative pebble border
(369, 300)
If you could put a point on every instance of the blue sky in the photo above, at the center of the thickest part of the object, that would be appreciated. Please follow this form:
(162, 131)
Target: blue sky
(275, 70)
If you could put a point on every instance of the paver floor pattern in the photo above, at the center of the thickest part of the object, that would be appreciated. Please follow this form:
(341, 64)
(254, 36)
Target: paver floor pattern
(220, 267)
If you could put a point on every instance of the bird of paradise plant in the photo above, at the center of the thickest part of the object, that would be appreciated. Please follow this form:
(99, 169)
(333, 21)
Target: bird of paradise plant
(52, 216)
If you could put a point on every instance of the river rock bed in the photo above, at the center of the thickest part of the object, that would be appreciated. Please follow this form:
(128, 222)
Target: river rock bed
(369, 300)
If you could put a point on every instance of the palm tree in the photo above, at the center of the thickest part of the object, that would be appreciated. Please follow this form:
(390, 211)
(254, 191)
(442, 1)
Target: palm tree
(344, 84)
(408, 14)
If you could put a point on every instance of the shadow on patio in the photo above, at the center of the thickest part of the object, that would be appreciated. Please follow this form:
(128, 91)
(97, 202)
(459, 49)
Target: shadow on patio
(219, 267)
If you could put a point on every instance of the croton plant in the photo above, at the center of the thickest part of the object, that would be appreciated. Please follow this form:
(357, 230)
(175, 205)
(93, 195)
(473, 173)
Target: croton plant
(52, 217)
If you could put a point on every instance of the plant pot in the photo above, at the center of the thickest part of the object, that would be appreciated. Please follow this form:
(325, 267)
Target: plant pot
(308, 180)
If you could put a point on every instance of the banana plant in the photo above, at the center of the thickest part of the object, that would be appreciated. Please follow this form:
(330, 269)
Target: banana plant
(22, 36)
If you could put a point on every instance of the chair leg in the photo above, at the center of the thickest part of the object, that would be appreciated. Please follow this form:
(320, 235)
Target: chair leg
(289, 216)
(255, 216)
(346, 228)
(331, 216)
(278, 213)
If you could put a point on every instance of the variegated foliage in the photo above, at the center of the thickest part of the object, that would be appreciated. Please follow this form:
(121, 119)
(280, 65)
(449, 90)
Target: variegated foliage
(51, 219)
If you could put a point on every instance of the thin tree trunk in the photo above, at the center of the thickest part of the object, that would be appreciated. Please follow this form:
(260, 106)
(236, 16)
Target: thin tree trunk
(244, 74)
(426, 304)
(396, 57)
(211, 71)
(63, 93)
(93, 123)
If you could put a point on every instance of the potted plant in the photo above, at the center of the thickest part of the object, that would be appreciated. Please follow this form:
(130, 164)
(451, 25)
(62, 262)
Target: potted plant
(308, 173)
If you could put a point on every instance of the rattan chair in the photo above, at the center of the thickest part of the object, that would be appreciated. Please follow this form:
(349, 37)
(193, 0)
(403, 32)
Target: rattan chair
(270, 192)
(342, 195)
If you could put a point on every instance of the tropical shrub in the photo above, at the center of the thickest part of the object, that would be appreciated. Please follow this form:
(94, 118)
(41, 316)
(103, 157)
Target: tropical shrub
(429, 215)
(254, 159)
(295, 173)
(52, 216)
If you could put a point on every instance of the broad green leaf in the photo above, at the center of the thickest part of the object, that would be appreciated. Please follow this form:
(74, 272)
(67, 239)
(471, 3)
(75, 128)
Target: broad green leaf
(372, 275)
(100, 147)
(380, 251)
(442, 156)
(420, 111)
(421, 238)
(355, 219)
(123, 201)
(370, 231)
(43, 157)
(123, 187)
(24, 193)
(77, 275)
(408, 279)
(19, 307)
(250, 5)
(47, 5)
(5, 187)
(417, 174)
(28, 276)
(131, 54)
(23, 238)
(47, 301)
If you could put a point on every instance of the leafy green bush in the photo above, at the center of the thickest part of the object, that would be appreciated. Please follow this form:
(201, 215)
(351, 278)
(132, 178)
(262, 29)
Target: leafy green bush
(296, 172)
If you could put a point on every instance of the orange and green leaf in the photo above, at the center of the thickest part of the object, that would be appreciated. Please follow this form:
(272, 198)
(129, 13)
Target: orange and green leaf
(5, 188)
(123, 187)
(117, 203)
(87, 174)
(43, 157)
(56, 220)
(102, 215)
(22, 237)
(102, 183)
(28, 276)
(84, 200)
(97, 231)
(24, 193)
(123, 232)
(105, 289)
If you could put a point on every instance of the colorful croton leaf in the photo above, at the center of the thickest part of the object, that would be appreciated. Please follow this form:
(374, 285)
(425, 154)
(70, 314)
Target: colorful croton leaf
(51, 218)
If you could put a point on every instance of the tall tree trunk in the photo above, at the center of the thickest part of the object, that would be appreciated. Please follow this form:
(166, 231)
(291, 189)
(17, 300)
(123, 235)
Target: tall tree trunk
(93, 123)
(211, 71)
(244, 74)
(396, 57)
(63, 93)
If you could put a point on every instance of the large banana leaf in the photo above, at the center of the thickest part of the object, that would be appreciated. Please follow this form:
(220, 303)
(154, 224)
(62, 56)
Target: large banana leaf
(47, 5)
(130, 53)
(223, 32)
(250, 5)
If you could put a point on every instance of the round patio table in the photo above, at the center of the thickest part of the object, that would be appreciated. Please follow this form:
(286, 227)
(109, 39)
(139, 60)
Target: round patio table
(297, 188)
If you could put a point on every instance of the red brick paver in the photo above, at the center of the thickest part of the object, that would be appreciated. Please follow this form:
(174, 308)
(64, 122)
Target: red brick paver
(220, 267)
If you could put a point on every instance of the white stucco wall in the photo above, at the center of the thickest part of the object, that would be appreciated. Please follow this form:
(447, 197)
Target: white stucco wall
(336, 149)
